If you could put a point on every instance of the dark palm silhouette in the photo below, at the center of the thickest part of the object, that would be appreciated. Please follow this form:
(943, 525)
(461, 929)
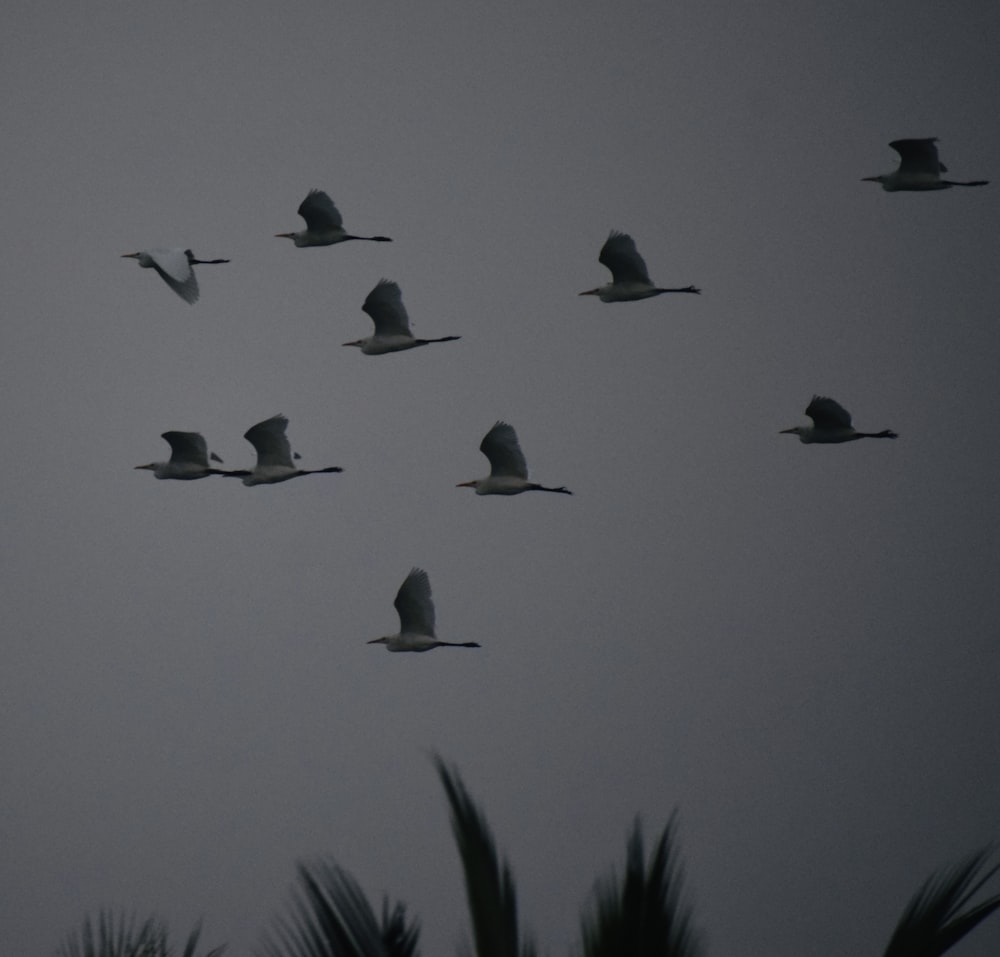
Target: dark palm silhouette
(331, 917)
(938, 916)
(641, 913)
(118, 936)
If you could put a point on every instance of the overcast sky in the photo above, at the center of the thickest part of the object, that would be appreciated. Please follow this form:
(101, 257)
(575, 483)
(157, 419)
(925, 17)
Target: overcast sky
(795, 646)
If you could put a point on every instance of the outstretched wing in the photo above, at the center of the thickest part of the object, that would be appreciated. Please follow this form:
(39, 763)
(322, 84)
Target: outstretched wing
(384, 304)
(620, 256)
(175, 269)
(320, 214)
(414, 606)
(828, 414)
(918, 156)
(269, 439)
(187, 447)
(501, 447)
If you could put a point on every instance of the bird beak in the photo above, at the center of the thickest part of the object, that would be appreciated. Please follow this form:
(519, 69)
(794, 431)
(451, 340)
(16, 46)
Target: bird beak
(283, 235)
(590, 292)
(150, 466)
(466, 485)
(375, 641)
(787, 432)
(130, 255)
(870, 179)
(358, 343)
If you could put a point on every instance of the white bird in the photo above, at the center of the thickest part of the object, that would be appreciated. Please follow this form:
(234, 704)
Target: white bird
(416, 618)
(919, 168)
(831, 423)
(274, 454)
(508, 469)
(630, 278)
(392, 325)
(174, 267)
(189, 459)
(324, 224)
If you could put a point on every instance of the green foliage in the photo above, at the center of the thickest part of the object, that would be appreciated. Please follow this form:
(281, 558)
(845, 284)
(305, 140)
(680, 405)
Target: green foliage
(641, 914)
(120, 937)
(934, 919)
(489, 885)
(331, 917)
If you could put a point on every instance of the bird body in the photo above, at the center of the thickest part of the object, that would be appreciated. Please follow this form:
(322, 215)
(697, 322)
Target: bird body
(831, 424)
(384, 304)
(189, 459)
(324, 224)
(629, 277)
(274, 454)
(919, 169)
(174, 267)
(508, 468)
(416, 618)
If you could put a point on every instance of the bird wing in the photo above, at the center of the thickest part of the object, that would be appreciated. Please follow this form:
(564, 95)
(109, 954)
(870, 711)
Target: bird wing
(188, 447)
(269, 439)
(385, 306)
(320, 214)
(176, 271)
(501, 447)
(620, 256)
(414, 605)
(828, 414)
(918, 156)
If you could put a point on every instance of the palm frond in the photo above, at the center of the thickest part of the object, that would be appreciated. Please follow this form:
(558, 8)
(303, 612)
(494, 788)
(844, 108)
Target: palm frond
(489, 884)
(642, 914)
(119, 936)
(938, 916)
(331, 917)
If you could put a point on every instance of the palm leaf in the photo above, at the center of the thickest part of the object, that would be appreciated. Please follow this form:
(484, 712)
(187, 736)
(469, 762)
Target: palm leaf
(938, 916)
(331, 917)
(118, 936)
(489, 884)
(643, 914)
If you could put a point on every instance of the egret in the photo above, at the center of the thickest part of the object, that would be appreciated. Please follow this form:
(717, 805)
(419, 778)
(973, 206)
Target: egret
(274, 454)
(392, 325)
(174, 267)
(831, 423)
(919, 168)
(189, 459)
(416, 618)
(508, 470)
(630, 278)
(324, 224)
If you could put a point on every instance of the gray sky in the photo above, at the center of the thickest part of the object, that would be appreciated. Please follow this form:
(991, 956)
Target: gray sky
(795, 646)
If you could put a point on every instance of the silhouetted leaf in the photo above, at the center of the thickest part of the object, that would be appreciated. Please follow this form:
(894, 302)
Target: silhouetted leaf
(934, 919)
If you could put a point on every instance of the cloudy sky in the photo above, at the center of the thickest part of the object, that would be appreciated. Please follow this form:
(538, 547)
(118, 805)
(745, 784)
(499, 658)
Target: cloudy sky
(795, 646)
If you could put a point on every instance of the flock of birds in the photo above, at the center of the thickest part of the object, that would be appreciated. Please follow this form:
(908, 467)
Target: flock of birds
(920, 169)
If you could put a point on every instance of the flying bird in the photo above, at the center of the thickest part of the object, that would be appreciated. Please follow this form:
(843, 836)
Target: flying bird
(324, 224)
(384, 304)
(919, 168)
(508, 469)
(630, 278)
(831, 423)
(274, 454)
(174, 267)
(189, 459)
(416, 618)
